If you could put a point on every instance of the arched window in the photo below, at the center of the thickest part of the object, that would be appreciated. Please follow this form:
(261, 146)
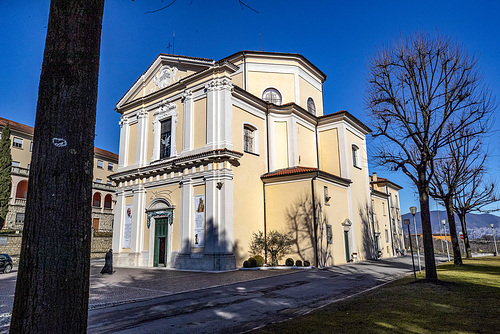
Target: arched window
(355, 156)
(311, 107)
(107, 201)
(272, 95)
(96, 200)
(22, 189)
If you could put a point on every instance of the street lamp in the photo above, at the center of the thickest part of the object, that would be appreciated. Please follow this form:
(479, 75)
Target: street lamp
(407, 223)
(446, 239)
(413, 211)
(494, 240)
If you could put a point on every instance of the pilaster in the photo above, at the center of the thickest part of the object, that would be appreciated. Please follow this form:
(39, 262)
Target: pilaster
(188, 123)
(124, 138)
(118, 222)
(137, 235)
(211, 89)
(186, 209)
(142, 136)
(225, 112)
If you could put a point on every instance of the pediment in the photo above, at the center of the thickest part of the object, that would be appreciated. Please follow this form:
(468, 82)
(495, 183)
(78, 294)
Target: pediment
(165, 71)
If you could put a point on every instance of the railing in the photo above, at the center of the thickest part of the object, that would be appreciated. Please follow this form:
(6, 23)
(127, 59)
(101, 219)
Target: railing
(19, 201)
(103, 186)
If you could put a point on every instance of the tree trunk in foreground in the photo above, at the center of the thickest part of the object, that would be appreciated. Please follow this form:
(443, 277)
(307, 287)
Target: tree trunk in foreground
(52, 289)
(468, 251)
(457, 256)
(425, 217)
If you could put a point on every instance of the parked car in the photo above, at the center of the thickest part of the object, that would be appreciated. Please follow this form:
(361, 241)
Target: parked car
(5, 263)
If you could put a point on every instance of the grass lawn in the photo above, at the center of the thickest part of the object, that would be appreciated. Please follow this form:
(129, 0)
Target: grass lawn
(466, 300)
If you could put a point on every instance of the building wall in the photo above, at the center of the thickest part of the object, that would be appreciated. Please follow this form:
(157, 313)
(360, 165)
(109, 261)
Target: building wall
(329, 151)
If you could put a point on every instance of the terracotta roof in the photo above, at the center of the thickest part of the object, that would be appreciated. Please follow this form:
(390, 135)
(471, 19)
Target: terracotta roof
(105, 153)
(290, 171)
(17, 126)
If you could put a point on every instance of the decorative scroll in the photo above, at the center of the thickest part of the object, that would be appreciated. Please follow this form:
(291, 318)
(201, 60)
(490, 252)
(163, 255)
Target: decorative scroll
(169, 214)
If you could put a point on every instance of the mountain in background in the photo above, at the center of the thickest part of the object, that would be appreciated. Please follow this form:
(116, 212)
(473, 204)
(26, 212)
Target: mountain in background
(477, 224)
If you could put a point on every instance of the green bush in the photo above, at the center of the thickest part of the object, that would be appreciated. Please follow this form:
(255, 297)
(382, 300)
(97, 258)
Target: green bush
(260, 260)
(253, 262)
(246, 264)
(307, 263)
(298, 263)
(289, 262)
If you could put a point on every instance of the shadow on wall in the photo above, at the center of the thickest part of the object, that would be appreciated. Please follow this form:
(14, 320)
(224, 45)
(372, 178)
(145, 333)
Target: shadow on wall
(365, 214)
(216, 254)
(300, 219)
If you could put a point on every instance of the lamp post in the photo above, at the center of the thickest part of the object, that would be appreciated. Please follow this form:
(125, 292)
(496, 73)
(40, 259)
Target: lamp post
(446, 239)
(407, 223)
(494, 240)
(413, 211)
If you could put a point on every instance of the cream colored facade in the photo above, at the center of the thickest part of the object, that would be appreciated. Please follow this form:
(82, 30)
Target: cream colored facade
(103, 189)
(213, 151)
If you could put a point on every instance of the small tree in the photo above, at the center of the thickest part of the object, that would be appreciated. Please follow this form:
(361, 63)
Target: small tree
(278, 244)
(5, 168)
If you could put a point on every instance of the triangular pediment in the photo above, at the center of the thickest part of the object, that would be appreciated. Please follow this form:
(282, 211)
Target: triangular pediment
(165, 71)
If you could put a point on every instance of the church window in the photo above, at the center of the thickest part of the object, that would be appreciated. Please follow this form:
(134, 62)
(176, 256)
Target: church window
(272, 95)
(165, 138)
(355, 156)
(249, 139)
(311, 107)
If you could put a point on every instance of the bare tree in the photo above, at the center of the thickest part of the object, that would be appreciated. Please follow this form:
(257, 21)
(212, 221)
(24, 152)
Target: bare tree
(417, 88)
(452, 171)
(476, 195)
(52, 290)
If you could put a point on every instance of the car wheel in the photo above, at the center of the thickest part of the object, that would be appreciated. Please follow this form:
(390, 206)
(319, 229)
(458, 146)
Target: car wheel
(7, 269)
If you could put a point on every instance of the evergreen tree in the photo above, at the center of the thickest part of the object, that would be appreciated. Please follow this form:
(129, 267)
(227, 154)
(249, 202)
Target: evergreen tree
(5, 167)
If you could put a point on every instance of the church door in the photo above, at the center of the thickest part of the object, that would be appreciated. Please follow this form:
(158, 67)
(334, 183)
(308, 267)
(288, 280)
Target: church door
(161, 234)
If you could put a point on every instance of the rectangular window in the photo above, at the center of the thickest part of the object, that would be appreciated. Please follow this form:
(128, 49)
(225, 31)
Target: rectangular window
(248, 140)
(31, 146)
(329, 234)
(355, 158)
(386, 235)
(165, 138)
(98, 180)
(110, 183)
(100, 164)
(110, 166)
(20, 218)
(29, 165)
(17, 142)
(16, 164)
(95, 224)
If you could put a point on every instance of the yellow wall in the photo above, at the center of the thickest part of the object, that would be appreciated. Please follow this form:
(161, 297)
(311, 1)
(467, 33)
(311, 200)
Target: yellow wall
(248, 209)
(23, 154)
(283, 82)
(281, 144)
(306, 142)
(200, 123)
(238, 79)
(306, 91)
(329, 151)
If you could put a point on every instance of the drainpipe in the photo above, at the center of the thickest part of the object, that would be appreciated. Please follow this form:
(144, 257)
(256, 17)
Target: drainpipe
(317, 141)
(315, 224)
(244, 71)
(264, 185)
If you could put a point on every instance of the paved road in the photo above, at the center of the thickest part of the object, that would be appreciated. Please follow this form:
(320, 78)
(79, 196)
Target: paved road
(157, 300)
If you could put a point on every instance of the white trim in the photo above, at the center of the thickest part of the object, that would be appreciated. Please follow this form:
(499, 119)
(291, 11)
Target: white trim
(248, 108)
(269, 88)
(165, 110)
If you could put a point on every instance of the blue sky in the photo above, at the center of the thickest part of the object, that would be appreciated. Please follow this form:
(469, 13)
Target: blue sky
(339, 37)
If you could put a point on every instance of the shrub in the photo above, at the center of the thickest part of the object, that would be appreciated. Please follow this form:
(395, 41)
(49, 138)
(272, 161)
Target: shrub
(260, 260)
(246, 264)
(298, 263)
(289, 262)
(253, 262)
(307, 263)
(277, 244)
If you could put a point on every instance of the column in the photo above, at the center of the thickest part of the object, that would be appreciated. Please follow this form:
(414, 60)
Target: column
(225, 124)
(138, 213)
(188, 123)
(211, 113)
(226, 215)
(211, 206)
(124, 137)
(118, 221)
(142, 136)
(186, 210)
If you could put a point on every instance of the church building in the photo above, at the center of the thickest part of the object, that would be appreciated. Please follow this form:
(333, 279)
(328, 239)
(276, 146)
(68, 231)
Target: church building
(212, 152)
